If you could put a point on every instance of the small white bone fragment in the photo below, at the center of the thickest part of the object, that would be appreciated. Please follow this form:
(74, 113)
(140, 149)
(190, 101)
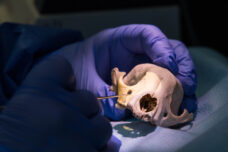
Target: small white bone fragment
(155, 94)
(127, 128)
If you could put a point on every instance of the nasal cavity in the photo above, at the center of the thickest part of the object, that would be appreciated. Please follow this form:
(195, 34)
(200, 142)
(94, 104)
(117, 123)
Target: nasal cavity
(147, 103)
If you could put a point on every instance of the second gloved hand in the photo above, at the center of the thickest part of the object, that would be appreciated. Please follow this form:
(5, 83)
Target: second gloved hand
(124, 47)
(47, 114)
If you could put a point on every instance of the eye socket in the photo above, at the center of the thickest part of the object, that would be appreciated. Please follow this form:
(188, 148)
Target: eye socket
(129, 92)
(147, 103)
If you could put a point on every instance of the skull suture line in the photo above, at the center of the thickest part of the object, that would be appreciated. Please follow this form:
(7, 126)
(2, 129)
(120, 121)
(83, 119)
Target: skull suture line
(154, 94)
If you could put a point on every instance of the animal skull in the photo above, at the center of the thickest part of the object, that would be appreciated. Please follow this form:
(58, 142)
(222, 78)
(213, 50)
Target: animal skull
(152, 93)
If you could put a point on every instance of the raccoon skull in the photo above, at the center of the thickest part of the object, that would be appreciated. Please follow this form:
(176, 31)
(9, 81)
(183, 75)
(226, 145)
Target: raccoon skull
(152, 93)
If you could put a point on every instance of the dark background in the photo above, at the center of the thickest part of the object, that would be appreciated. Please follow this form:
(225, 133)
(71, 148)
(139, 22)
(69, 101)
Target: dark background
(202, 23)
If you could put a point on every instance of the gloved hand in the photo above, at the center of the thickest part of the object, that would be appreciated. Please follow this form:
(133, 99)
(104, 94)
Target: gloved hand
(124, 47)
(47, 114)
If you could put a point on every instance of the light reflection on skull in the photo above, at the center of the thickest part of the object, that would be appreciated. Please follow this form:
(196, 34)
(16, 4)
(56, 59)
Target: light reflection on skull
(154, 94)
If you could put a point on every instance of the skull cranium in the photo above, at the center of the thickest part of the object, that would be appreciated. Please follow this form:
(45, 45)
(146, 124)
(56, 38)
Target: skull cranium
(152, 93)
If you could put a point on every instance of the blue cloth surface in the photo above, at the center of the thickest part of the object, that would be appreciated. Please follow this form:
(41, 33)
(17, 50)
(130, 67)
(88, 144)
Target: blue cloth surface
(212, 69)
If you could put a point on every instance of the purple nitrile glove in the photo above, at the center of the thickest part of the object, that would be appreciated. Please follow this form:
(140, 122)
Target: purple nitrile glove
(186, 74)
(124, 47)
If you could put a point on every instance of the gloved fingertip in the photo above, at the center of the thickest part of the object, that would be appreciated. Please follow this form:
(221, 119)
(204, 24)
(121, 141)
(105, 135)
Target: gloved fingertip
(189, 103)
(112, 112)
(113, 145)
